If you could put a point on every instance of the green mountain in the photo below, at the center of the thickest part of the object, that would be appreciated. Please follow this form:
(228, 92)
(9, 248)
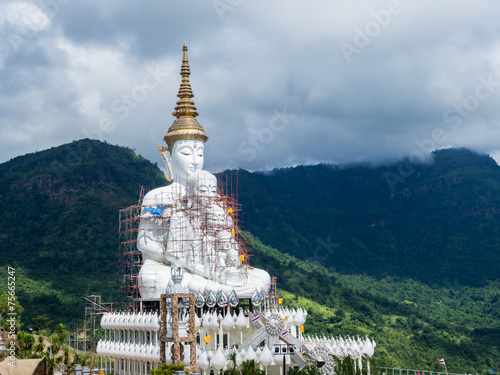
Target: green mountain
(440, 224)
(413, 264)
(59, 223)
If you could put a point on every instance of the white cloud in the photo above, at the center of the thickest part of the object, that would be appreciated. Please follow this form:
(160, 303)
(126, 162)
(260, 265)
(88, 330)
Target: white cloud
(25, 17)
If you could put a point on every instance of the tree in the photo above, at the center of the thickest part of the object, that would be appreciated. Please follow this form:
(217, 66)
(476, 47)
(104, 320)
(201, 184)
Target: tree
(59, 337)
(56, 344)
(52, 361)
(39, 347)
(247, 367)
(52, 351)
(25, 342)
(167, 369)
(65, 363)
(250, 368)
(234, 370)
(41, 322)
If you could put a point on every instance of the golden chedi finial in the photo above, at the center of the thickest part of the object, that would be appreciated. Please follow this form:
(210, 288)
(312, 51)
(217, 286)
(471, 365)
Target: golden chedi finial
(185, 125)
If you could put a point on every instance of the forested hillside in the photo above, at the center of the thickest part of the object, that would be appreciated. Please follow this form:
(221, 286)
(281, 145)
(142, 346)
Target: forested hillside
(439, 225)
(413, 323)
(59, 223)
(415, 267)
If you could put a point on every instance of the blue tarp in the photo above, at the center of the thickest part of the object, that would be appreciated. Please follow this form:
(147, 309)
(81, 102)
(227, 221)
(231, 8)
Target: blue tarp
(154, 211)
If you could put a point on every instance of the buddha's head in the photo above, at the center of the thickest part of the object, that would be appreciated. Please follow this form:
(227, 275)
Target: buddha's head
(216, 219)
(201, 189)
(233, 258)
(186, 158)
(224, 240)
(185, 138)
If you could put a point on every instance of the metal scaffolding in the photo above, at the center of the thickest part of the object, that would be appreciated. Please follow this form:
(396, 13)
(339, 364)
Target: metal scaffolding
(182, 211)
(89, 333)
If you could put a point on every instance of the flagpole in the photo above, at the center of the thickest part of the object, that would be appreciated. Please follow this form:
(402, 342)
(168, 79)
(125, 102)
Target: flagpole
(445, 369)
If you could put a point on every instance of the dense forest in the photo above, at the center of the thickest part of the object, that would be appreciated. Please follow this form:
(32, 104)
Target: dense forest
(59, 223)
(439, 224)
(413, 323)
(410, 259)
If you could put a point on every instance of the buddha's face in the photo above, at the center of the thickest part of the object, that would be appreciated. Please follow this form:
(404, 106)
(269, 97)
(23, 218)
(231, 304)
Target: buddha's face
(216, 219)
(232, 258)
(205, 190)
(224, 241)
(186, 158)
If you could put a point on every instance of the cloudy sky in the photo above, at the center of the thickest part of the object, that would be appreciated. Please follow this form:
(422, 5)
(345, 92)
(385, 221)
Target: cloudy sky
(276, 83)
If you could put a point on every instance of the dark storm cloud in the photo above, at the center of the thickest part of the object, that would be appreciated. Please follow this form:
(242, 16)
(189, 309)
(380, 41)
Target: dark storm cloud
(275, 83)
(145, 30)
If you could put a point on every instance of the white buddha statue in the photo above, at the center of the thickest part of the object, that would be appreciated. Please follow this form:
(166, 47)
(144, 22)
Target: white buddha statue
(217, 226)
(228, 258)
(161, 203)
(179, 222)
(185, 239)
(216, 219)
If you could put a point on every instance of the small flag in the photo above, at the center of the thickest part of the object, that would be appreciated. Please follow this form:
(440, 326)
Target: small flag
(230, 211)
(223, 303)
(280, 301)
(284, 333)
(301, 328)
(154, 211)
(242, 257)
(440, 361)
(285, 318)
(256, 318)
(216, 232)
(207, 338)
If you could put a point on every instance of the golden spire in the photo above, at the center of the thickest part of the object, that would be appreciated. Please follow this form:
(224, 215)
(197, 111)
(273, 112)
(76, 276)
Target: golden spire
(185, 126)
(185, 106)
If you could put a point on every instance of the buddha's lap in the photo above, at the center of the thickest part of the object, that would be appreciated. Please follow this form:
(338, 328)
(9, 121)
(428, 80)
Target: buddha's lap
(154, 277)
